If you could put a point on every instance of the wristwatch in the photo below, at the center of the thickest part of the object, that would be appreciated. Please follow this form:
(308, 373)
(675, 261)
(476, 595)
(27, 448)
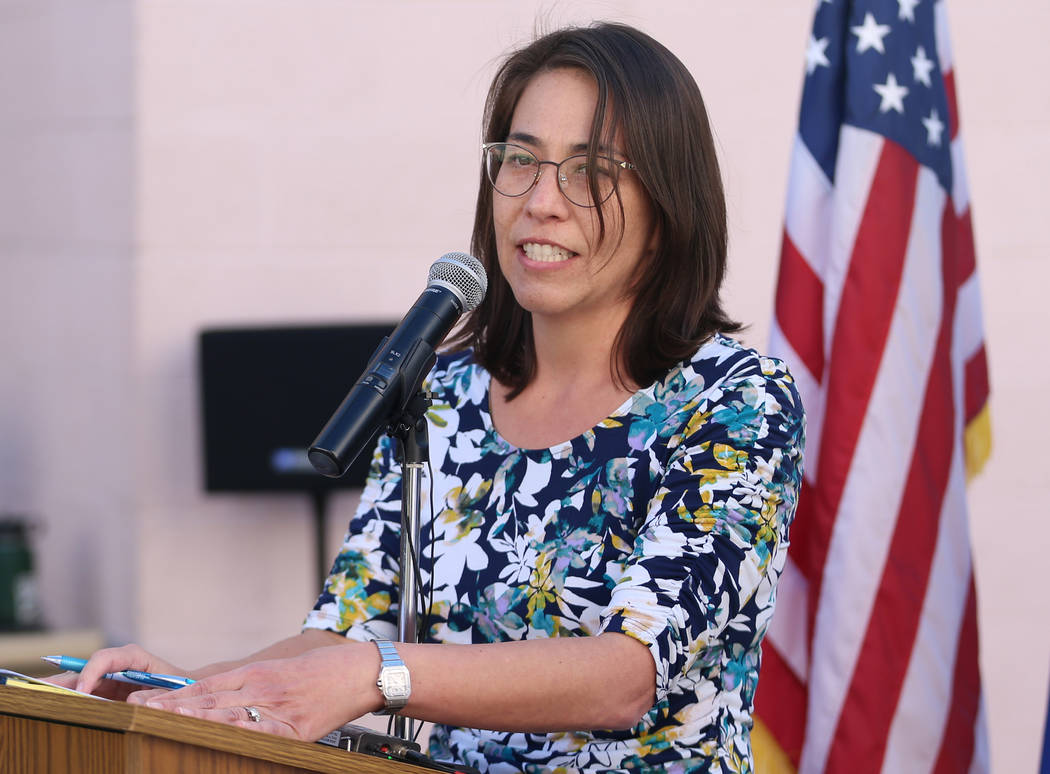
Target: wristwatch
(394, 681)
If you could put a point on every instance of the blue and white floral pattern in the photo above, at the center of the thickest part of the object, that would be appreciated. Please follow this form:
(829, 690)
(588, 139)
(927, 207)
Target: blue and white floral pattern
(668, 522)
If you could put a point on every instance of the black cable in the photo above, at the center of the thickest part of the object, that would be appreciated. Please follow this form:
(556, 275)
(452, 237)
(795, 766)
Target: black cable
(420, 598)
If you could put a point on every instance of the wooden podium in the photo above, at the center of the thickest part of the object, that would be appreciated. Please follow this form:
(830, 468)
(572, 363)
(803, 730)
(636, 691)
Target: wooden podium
(48, 733)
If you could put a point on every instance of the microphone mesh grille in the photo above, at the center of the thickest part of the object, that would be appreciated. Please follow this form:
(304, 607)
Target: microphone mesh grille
(462, 274)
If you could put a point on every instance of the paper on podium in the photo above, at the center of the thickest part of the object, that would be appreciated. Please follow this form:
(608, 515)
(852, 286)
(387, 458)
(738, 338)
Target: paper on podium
(14, 679)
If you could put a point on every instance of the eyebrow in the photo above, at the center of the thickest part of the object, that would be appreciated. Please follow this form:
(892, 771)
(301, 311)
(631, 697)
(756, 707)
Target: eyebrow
(529, 139)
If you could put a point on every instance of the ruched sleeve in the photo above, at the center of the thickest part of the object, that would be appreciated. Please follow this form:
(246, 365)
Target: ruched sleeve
(360, 595)
(703, 571)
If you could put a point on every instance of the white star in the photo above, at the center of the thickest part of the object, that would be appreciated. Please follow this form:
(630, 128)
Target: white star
(870, 35)
(907, 9)
(892, 94)
(934, 127)
(922, 66)
(816, 55)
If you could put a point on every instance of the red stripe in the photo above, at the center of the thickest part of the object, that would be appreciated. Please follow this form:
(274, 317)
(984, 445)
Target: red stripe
(865, 312)
(975, 378)
(882, 662)
(800, 307)
(957, 236)
(957, 744)
(781, 702)
(803, 537)
(953, 104)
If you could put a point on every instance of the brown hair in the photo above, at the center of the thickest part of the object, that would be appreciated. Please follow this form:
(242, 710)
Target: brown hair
(647, 94)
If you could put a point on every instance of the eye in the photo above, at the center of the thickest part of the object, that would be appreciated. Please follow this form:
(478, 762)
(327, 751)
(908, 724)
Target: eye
(577, 167)
(519, 159)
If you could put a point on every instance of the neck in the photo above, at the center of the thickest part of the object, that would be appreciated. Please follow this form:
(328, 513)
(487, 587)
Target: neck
(580, 353)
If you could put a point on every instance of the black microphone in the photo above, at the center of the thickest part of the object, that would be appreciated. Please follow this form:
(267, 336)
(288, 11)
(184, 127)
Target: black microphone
(456, 284)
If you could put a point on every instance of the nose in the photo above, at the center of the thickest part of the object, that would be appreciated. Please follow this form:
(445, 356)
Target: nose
(546, 199)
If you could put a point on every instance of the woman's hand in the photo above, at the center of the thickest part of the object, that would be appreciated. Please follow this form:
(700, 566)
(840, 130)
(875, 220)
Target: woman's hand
(90, 679)
(303, 697)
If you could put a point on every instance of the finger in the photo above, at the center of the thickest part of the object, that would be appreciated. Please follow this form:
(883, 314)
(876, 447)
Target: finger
(196, 697)
(268, 726)
(113, 660)
(63, 679)
(228, 715)
(147, 694)
(238, 716)
(199, 694)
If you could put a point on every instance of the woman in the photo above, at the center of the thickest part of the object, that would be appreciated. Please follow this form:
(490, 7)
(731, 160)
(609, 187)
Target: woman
(613, 478)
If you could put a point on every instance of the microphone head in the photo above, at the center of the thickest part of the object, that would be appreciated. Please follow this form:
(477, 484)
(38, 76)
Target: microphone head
(462, 274)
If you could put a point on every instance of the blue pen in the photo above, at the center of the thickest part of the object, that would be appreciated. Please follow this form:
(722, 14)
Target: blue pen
(135, 676)
(157, 681)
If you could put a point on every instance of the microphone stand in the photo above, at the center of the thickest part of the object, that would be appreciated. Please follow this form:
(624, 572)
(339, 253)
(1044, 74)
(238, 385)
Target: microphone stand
(412, 436)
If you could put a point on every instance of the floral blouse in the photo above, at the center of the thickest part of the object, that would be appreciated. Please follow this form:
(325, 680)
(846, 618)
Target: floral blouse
(667, 522)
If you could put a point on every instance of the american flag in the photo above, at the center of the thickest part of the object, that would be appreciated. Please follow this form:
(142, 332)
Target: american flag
(871, 660)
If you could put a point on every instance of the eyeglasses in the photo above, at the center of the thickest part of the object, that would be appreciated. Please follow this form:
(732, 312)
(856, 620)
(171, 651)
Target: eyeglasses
(514, 170)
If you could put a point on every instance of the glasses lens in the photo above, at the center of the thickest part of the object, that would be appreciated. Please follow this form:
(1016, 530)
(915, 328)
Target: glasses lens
(512, 170)
(576, 182)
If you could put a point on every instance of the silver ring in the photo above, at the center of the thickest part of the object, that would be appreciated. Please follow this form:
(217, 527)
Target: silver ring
(253, 714)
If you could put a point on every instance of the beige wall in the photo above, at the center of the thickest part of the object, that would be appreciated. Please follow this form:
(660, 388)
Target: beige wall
(166, 165)
(67, 136)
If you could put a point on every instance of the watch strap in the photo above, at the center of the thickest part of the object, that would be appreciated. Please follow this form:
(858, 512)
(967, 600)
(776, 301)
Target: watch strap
(388, 654)
(394, 681)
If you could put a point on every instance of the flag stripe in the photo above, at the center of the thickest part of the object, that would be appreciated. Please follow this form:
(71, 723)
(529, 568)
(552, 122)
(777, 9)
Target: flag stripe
(959, 243)
(953, 107)
(976, 384)
(957, 745)
(803, 545)
(788, 630)
(809, 209)
(799, 299)
(960, 184)
(853, 186)
(969, 334)
(981, 756)
(945, 55)
(787, 720)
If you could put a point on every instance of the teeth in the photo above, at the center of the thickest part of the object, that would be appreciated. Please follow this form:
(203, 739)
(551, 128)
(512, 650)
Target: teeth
(546, 253)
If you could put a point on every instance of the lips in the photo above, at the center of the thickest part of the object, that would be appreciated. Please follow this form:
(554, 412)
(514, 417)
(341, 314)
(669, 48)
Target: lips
(545, 253)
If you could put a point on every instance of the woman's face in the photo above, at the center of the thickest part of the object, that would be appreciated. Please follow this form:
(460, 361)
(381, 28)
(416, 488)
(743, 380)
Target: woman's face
(547, 246)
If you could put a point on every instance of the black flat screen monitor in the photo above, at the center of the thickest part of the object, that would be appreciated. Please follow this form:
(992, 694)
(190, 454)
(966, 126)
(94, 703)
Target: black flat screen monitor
(265, 395)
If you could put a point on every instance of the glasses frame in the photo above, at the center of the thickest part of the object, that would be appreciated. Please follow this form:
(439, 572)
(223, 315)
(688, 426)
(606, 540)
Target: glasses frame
(562, 179)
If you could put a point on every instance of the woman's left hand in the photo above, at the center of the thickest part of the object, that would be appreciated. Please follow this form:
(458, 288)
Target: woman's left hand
(303, 697)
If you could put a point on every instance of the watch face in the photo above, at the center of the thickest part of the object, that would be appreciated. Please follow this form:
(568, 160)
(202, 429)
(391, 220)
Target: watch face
(396, 683)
